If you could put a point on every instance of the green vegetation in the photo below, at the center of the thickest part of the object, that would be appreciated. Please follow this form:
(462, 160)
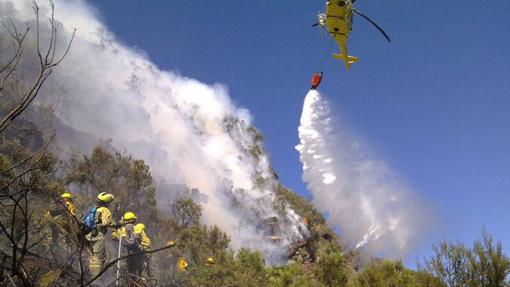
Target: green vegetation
(484, 264)
(320, 261)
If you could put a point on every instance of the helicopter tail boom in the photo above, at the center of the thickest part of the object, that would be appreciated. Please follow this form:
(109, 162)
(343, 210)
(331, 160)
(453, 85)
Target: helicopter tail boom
(349, 60)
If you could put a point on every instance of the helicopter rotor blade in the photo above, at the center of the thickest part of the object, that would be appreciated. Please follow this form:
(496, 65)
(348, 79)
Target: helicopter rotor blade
(373, 23)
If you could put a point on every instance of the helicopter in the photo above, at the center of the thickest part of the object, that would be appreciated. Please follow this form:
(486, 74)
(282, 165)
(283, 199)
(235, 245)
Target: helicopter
(338, 21)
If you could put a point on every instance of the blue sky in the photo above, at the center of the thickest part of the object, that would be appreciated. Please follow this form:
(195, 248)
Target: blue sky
(434, 103)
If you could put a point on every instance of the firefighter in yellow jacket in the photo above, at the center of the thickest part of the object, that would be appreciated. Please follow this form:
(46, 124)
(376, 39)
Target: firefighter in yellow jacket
(182, 264)
(60, 220)
(95, 238)
(135, 240)
(67, 197)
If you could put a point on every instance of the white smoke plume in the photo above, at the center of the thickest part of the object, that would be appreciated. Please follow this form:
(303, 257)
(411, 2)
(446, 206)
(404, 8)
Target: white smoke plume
(188, 132)
(363, 197)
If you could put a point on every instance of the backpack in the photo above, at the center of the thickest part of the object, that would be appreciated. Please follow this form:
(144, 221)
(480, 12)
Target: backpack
(131, 239)
(89, 220)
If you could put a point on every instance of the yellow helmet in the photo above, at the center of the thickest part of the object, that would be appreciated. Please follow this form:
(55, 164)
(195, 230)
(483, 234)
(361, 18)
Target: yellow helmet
(129, 216)
(210, 261)
(66, 195)
(182, 264)
(105, 197)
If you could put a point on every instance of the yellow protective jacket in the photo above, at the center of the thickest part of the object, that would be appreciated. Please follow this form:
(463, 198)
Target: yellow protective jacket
(71, 208)
(182, 264)
(103, 219)
(139, 229)
(58, 212)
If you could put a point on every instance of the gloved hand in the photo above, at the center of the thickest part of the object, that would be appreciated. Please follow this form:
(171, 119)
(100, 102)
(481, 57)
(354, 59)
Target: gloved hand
(115, 235)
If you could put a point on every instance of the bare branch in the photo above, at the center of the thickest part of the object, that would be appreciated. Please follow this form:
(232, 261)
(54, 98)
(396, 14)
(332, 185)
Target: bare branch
(18, 177)
(18, 49)
(27, 99)
(46, 64)
(38, 33)
(53, 33)
(14, 61)
(66, 50)
(11, 280)
(37, 152)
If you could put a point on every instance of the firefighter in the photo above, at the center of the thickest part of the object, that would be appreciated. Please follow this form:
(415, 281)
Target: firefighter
(209, 262)
(61, 219)
(135, 241)
(97, 221)
(67, 198)
(182, 265)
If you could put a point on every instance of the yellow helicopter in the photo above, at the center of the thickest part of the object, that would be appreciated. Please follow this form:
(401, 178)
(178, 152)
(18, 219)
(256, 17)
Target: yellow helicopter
(338, 21)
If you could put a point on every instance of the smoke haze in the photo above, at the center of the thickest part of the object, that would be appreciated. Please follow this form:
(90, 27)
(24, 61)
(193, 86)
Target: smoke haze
(188, 132)
(191, 133)
(363, 197)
